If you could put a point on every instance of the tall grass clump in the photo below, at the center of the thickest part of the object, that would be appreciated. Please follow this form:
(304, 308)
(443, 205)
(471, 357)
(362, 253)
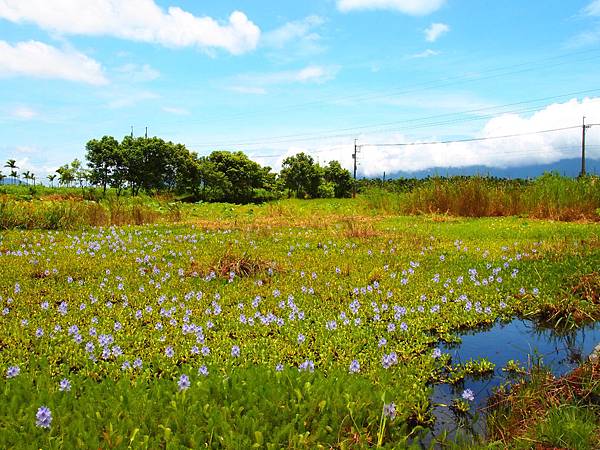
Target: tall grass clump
(560, 198)
(550, 196)
(73, 214)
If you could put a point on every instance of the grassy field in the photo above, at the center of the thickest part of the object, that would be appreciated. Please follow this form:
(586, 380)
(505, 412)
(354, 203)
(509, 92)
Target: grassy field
(296, 324)
(550, 197)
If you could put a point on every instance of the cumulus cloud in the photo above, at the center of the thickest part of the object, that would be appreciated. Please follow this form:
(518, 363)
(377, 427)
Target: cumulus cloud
(542, 148)
(411, 7)
(435, 30)
(137, 20)
(36, 59)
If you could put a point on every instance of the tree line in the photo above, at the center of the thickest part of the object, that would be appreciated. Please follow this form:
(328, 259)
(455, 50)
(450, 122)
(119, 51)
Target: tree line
(153, 165)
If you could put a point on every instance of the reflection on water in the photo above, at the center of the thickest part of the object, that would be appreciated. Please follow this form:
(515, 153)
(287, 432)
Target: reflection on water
(519, 340)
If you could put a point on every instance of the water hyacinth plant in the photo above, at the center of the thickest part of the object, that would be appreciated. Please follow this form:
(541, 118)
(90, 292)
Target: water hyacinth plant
(139, 327)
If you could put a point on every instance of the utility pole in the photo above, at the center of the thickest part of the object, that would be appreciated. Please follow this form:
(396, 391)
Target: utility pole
(354, 158)
(583, 128)
(146, 135)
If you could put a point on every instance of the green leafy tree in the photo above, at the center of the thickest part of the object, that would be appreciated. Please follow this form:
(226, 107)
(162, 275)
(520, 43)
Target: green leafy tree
(340, 178)
(301, 175)
(243, 175)
(79, 172)
(102, 156)
(65, 175)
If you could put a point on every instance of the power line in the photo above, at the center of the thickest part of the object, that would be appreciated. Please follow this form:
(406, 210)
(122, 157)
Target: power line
(352, 130)
(574, 147)
(419, 87)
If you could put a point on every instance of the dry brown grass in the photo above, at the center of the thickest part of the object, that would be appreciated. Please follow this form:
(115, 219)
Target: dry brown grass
(240, 264)
(358, 227)
(587, 287)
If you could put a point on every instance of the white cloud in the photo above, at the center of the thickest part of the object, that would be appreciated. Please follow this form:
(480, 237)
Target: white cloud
(593, 8)
(138, 20)
(542, 148)
(293, 32)
(411, 7)
(435, 30)
(424, 54)
(175, 110)
(23, 113)
(138, 73)
(36, 59)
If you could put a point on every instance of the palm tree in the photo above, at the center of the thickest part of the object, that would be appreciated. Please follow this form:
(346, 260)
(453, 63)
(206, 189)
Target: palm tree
(33, 178)
(2, 177)
(27, 175)
(12, 164)
(51, 178)
(14, 176)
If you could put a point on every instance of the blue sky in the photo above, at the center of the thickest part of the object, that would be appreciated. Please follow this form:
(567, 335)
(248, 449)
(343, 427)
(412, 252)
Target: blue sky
(274, 78)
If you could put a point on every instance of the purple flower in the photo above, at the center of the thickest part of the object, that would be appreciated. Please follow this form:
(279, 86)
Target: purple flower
(389, 360)
(389, 410)
(43, 417)
(64, 385)
(307, 365)
(137, 363)
(279, 367)
(468, 395)
(184, 382)
(12, 371)
(301, 338)
(169, 352)
(235, 351)
(203, 370)
(354, 366)
(436, 353)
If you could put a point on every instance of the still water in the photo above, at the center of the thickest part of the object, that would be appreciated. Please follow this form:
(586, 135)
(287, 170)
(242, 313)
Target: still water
(519, 340)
